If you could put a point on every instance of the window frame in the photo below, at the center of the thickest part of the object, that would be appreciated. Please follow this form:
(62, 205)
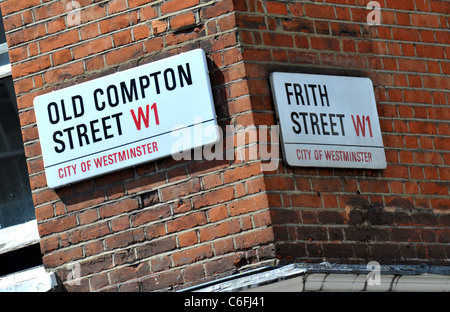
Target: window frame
(5, 70)
(21, 235)
(18, 236)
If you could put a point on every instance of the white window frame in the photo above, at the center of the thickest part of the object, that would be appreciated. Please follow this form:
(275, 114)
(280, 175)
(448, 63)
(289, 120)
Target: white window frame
(19, 236)
(5, 70)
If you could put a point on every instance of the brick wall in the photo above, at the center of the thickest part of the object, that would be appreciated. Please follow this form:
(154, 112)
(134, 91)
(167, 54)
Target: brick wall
(163, 223)
(170, 223)
(396, 215)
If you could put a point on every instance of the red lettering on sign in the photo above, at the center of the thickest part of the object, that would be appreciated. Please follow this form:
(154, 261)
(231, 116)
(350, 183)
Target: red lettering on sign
(360, 125)
(145, 118)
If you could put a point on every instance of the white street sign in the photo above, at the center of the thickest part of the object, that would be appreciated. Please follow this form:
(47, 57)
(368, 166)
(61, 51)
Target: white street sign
(125, 119)
(328, 121)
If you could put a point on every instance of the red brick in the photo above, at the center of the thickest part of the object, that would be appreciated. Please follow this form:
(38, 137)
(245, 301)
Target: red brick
(217, 9)
(117, 22)
(192, 255)
(322, 43)
(187, 239)
(49, 244)
(326, 185)
(58, 41)
(186, 222)
(12, 21)
(319, 11)
(217, 213)
(276, 8)
(177, 5)
(88, 216)
(211, 181)
(400, 5)
(92, 13)
(180, 189)
(281, 40)
(147, 13)
(174, 208)
(241, 173)
(306, 200)
(116, 6)
(274, 183)
(62, 257)
(89, 232)
(162, 280)
(405, 34)
(149, 215)
(250, 21)
(154, 44)
(159, 26)
(222, 229)
(44, 212)
(64, 72)
(57, 225)
(373, 186)
(117, 208)
(155, 230)
(254, 238)
(213, 197)
(433, 188)
(248, 204)
(141, 32)
(283, 216)
(331, 217)
(121, 38)
(30, 67)
(124, 239)
(182, 20)
(92, 47)
(12, 6)
(425, 20)
(129, 273)
(405, 235)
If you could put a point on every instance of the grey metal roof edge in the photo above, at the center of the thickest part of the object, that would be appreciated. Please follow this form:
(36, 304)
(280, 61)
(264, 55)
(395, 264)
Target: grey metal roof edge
(230, 277)
(271, 274)
(394, 269)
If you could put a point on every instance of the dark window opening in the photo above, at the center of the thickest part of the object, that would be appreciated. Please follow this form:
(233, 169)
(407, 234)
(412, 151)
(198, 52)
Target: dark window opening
(16, 204)
(20, 259)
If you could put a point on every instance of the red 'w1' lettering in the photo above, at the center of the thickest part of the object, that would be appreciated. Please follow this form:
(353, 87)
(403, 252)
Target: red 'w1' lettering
(145, 118)
(360, 125)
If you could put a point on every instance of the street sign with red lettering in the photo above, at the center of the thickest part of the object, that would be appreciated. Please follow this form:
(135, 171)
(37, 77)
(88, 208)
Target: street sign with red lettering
(328, 121)
(125, 119)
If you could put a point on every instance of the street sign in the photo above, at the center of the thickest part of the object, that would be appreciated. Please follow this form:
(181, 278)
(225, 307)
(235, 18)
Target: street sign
(125, 119)
(328, 121)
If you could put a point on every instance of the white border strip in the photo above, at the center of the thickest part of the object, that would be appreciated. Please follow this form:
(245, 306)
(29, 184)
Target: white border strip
(18, 236)
(32, 280)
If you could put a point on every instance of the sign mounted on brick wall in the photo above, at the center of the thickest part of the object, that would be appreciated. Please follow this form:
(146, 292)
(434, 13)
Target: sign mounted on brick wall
(328, 121)
(126, 118)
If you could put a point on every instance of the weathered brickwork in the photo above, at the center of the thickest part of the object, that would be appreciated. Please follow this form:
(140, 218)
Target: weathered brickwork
(395, 215)
(170, 224)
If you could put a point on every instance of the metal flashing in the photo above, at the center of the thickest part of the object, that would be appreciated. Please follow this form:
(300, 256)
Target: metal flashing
(325, 276)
